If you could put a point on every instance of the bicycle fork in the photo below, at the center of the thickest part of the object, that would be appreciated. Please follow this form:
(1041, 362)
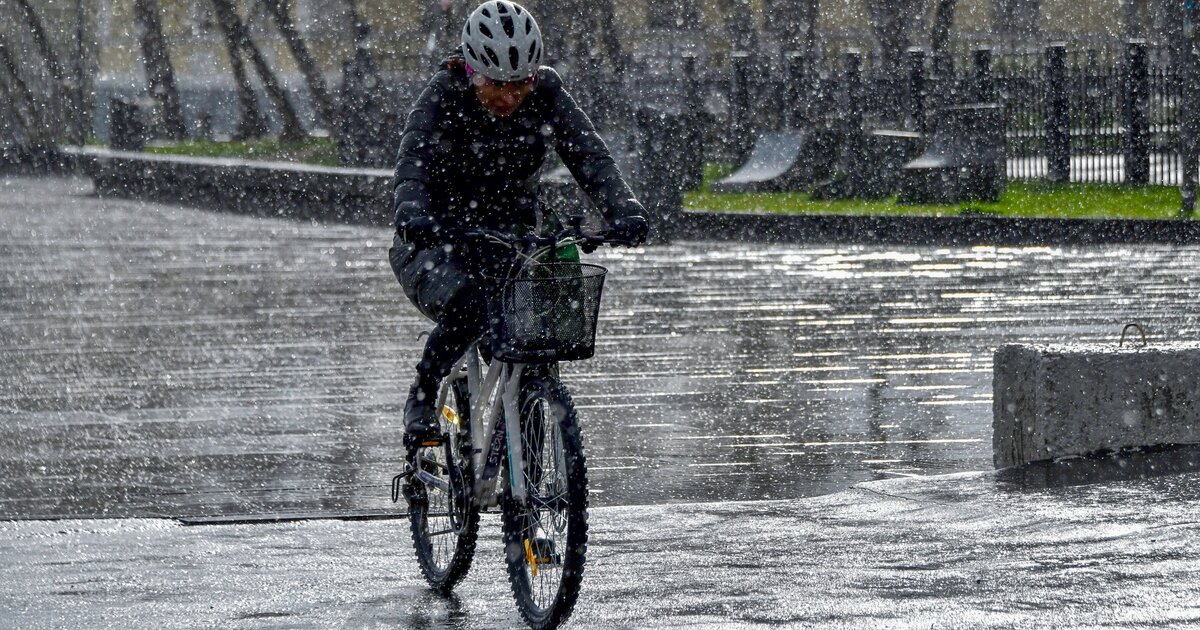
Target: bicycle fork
(512, 425)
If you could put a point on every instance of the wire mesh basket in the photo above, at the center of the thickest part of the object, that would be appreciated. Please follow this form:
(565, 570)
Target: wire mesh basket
(548, 313)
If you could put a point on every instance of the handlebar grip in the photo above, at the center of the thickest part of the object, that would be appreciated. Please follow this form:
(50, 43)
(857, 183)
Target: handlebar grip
(606, 238)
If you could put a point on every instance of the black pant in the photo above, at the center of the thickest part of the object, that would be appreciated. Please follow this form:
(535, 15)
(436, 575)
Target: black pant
(449, 285)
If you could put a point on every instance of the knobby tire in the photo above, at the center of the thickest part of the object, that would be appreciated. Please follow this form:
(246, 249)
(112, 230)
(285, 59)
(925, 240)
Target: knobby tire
(445, 559)
(547, 600)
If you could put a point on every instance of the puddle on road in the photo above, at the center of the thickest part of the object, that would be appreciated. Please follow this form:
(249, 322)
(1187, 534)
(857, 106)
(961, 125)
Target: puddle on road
(170, 361)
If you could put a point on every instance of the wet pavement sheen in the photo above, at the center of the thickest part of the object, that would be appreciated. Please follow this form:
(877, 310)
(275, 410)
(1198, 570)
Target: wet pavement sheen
(168, 361)
(971, 550)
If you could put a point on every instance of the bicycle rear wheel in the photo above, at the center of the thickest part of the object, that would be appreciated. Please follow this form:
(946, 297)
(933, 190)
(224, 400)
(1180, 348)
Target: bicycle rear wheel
(443, 514)
(546, 538)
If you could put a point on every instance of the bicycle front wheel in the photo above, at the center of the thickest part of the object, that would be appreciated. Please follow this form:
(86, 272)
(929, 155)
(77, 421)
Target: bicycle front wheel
(545, 537)
(443, 514)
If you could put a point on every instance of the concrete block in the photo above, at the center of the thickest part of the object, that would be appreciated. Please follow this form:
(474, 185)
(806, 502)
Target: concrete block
(1062, 400)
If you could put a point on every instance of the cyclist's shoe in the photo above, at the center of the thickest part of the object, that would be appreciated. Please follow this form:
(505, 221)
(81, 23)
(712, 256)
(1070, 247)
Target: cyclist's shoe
(420, 412)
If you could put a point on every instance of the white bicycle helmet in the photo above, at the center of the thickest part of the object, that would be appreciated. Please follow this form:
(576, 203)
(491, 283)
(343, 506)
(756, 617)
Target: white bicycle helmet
(502, 41)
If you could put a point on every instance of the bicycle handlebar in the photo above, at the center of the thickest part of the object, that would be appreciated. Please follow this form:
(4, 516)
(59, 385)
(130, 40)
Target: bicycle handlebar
(567, 236)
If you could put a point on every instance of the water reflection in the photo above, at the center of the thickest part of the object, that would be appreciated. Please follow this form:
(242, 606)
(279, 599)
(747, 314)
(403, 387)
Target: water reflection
(163, 360)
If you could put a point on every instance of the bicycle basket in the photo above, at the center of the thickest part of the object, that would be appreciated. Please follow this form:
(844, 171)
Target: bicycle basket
(548, 313)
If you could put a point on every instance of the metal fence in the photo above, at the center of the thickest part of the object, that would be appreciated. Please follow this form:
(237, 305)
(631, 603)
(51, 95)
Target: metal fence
(1108, 115)
(1115, 113)
(1166, 139)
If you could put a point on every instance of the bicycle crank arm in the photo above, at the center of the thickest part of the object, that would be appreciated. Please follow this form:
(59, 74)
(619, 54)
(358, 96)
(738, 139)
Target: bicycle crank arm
(433, 481)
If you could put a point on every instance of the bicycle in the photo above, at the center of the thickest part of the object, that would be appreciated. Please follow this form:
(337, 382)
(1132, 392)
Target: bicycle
(517, 418)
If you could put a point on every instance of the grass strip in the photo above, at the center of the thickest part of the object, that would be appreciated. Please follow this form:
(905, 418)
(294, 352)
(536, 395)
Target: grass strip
(321, 151)
(1020, 199)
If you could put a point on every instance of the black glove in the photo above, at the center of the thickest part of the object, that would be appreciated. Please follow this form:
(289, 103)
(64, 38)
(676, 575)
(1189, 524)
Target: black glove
(409, 210)
(631, 229)
(423, 232)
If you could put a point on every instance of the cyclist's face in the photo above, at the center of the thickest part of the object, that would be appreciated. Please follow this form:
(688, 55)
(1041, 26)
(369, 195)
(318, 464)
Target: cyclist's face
(502, 98)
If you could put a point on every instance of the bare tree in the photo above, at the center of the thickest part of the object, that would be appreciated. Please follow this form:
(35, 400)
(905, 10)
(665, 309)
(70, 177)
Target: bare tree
(604, 15)
(362, 30)
(939, 37)
(891, 22)
(281, 13)
(38, 30)
(227, 16)
(53, 98)
(250, 120)
(739, 21)
(795, 22)
(441, 25)
(159, 73)
(571, 29)
(681, 14)
(20, 100)
(939, 41)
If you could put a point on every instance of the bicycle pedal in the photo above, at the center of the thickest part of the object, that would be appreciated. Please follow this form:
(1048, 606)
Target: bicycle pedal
(431, 441)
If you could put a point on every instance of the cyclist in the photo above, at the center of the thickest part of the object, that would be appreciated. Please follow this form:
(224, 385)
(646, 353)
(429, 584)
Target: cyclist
(469, 158)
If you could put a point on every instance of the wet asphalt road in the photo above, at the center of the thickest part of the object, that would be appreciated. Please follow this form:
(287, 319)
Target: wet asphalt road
(169, 361)
(963, 551)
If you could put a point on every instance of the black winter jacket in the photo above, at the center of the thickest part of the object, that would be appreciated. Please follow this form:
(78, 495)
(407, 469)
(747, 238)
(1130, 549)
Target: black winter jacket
(471, 168)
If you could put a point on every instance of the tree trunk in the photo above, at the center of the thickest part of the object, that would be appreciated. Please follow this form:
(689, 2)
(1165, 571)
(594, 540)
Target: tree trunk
(159, 73)
(291, 129)
(795, 22)
(580, 33)
(250, 123)
(442, 23)
(940, 34)
(54, 104)
(676, 14)
(81, 81)
(304, 60)
(20, 98)
(38, 30)
(939, 40)
(362, 30)
(606, 17)
(740, 24)
(890, 21)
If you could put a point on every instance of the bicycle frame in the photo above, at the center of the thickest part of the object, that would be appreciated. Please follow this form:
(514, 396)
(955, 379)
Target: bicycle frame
(490, 395)
(493, 398)
(543, 500)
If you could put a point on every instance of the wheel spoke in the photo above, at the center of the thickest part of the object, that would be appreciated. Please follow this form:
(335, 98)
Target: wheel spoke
(554, 503)
(546, 518)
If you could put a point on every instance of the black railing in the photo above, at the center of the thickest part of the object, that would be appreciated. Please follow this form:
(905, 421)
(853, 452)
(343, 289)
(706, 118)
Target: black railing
(1106, 115)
